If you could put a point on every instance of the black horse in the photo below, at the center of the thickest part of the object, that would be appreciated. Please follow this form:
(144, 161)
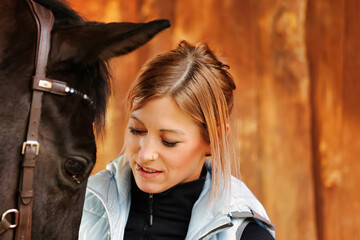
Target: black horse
(78, 55)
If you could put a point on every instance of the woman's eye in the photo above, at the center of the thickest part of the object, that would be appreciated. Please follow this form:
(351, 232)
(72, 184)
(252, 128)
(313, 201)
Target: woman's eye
(169, 144)
(136, 131)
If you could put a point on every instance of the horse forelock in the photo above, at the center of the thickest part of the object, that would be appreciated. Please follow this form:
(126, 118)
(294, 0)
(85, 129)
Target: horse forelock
(97, 85)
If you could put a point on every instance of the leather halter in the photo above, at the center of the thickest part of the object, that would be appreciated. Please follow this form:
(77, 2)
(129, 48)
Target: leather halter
(44, 21)
(23, 215)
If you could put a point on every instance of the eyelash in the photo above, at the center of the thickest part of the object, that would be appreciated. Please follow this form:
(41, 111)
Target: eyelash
(139, 133)
(135, 131)
(169, 144)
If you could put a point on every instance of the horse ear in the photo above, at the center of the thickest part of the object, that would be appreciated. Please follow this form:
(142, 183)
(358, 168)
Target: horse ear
(93, 41)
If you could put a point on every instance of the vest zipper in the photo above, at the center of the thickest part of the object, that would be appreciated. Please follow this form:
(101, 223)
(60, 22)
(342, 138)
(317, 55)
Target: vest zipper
(151, 200)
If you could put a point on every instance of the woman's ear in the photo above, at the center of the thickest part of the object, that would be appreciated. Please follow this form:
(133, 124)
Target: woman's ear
(227, 129)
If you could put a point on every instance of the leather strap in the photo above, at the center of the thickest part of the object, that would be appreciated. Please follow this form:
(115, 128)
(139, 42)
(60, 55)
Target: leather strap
(44, 21)
(52, 86)
(4, 225)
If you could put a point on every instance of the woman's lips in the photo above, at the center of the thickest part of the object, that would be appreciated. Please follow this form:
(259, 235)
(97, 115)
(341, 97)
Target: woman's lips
(147, 172)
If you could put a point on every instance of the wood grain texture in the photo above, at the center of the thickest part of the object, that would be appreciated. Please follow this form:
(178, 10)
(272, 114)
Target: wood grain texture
(285, 118)
(333, 35)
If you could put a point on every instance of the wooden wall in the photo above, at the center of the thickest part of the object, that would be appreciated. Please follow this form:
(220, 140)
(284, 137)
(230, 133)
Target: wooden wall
(333, 36)
(296, 65)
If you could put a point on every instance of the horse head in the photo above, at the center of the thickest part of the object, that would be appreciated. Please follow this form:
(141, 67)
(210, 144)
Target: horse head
(78, 56)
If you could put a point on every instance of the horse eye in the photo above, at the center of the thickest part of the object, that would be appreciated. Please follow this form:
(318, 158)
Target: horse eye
(74, 167)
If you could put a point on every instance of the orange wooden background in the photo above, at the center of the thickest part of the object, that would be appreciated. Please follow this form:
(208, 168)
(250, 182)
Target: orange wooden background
(297, 68)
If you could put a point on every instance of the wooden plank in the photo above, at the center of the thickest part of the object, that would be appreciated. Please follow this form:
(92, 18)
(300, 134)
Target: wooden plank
(284, 118)
(350, 168)
(333, 37)
(333, 55)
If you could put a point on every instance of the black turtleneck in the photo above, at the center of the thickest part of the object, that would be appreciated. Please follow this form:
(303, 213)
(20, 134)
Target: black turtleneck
(163, 215)
(166, 215)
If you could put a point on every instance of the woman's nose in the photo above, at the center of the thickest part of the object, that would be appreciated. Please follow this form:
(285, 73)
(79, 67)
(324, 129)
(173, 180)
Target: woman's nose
(148, 149)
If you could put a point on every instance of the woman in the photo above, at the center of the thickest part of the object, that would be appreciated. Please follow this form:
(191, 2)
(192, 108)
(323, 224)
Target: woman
(174, 180)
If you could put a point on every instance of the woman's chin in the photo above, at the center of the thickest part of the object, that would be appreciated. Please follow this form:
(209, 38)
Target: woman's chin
(149, 187)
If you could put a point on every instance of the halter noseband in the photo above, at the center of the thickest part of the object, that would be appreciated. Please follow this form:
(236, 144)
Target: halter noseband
(23, 215)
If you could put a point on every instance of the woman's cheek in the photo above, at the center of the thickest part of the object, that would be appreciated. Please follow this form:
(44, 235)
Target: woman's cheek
(132, 144)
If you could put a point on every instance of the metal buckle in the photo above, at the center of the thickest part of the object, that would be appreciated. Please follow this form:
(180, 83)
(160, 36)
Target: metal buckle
(45, 84)
(31, 144)
(16, 212)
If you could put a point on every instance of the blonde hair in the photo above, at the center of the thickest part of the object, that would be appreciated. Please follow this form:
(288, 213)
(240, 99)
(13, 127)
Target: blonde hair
(203, 88)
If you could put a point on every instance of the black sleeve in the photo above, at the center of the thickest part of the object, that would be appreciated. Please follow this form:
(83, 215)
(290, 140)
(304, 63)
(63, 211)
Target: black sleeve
(254, 231)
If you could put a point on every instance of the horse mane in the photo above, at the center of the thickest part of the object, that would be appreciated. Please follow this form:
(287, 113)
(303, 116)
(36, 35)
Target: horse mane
(96, 77)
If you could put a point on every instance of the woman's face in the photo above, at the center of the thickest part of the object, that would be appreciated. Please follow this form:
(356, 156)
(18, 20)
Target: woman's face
(164, 146)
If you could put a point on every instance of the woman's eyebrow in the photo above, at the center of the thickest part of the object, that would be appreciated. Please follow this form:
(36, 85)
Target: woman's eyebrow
(161, 130)
(173, 131)
(134, 117)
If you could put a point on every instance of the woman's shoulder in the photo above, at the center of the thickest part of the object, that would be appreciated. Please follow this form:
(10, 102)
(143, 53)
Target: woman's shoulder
(100, 182)
(245, 207)
(107, 178)
(109, 186)
(94, 222)
(241, 195)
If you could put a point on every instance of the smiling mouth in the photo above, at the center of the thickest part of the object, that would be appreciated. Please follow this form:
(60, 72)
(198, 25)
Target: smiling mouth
(138, 167)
